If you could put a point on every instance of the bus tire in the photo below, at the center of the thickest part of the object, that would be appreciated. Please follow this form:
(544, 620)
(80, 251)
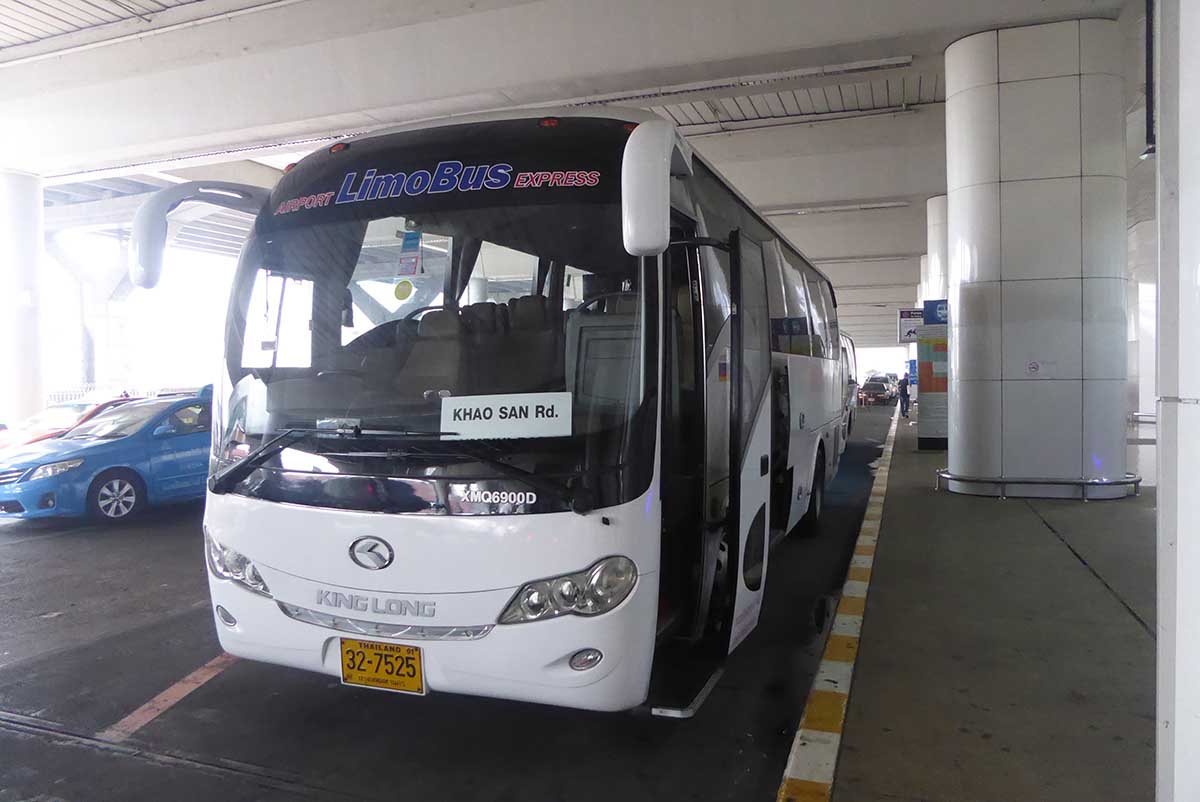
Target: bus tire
(810, 524)
(116, 495)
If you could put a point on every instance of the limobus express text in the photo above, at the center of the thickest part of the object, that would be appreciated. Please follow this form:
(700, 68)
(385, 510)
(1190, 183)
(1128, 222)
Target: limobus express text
(511, 405)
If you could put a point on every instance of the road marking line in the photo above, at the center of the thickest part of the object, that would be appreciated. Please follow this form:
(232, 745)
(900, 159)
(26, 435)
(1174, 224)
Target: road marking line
(812, 762)
(166, 700)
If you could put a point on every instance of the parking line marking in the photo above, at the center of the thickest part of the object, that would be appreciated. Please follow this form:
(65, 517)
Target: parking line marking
(812, 762)
(166, 700)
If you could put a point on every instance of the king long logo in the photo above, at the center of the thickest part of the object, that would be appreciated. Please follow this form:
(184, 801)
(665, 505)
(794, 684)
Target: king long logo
(447, 176)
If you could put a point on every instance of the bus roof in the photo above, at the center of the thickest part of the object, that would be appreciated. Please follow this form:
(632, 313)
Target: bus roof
(601, 111)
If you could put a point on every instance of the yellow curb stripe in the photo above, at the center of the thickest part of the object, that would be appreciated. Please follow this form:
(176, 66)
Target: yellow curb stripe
(794, 790)
(842, 648)
(825, 711)
(852, 605)
(859, 574)
(812, 762)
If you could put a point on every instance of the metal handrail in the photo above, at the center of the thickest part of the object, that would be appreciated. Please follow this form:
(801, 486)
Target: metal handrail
(1131, 479)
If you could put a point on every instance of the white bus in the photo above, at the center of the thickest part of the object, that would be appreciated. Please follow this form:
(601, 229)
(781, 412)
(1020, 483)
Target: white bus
(511, 405)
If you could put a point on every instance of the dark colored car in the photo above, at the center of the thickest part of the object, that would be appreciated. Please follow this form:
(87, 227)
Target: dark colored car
(874, 392)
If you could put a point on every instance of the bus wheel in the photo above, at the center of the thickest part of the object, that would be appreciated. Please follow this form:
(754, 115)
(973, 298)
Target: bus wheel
(810, 524)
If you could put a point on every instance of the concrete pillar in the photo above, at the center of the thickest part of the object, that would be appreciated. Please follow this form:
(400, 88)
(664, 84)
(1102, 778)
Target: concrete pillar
(1035, 163)
(20, 255)
(923, 288)
(935, 273)
(1178, 625)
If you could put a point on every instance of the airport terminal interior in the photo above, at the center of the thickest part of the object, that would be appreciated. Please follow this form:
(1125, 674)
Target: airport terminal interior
(599, 400)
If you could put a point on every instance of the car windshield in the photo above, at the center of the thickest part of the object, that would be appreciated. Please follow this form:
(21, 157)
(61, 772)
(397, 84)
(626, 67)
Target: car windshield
(875, 387)
(502, 330)
(59, 416)
(119, 421)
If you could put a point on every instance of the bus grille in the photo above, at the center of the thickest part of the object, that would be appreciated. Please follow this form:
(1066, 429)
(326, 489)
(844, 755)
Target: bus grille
(383, 629)
(8, 477)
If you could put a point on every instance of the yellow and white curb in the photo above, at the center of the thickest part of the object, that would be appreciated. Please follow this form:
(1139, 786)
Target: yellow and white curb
(813, 759)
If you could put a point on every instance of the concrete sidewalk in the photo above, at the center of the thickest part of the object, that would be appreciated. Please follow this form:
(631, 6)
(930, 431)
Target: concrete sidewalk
(1007, 651)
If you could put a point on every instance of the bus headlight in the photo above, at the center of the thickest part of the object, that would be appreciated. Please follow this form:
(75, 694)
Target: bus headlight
(225, 563)
(592, 591)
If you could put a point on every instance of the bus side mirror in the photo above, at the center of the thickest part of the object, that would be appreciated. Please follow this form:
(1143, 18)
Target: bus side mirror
(652, 155)
(149, 237)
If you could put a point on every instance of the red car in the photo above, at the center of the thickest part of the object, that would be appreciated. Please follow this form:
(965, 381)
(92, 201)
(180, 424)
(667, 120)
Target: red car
(54, 420)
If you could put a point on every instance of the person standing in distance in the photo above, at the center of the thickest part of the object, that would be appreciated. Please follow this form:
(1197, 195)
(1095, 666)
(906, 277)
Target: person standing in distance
(903, 385)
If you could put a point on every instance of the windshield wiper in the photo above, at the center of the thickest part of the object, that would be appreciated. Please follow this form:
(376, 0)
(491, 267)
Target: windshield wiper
(225, 479)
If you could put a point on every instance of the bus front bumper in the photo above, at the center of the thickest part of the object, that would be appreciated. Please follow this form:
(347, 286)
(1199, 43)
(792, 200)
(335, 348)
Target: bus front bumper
(525, 662)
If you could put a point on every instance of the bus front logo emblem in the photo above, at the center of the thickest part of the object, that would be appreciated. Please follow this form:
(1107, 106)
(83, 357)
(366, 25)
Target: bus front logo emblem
(371, 553)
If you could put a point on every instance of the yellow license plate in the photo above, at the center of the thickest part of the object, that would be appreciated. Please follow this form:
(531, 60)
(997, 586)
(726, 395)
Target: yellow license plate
(388, 666)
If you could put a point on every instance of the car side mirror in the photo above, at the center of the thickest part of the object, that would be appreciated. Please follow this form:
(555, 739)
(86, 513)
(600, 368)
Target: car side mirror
(164, 430)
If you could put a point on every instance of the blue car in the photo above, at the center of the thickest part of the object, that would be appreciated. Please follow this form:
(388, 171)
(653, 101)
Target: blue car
(114, 465)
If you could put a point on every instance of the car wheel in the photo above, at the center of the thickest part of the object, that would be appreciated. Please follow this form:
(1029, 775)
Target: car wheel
(116, 495)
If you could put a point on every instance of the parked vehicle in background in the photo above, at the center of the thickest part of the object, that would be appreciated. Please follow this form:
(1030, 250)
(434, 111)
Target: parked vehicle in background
(850, 383)
(875, 391)
(54, 420)
(112, 466)
(879, 378)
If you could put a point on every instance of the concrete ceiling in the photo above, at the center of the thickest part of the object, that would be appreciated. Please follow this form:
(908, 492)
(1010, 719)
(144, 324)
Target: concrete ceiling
(814, 106)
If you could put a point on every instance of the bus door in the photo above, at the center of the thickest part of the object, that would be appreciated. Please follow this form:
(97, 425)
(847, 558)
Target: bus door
(749, 432)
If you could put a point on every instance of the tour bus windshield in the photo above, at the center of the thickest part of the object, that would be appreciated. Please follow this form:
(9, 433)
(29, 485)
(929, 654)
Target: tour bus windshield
(492, 336)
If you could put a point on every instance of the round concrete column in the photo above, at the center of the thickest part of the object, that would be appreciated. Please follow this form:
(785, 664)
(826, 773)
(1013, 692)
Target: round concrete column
(935, 270)
(20, 256)
(1035, 164)
(923, 288)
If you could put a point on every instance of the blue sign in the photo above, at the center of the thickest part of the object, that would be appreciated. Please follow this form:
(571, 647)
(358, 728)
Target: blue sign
(937, 312)
(912, 373)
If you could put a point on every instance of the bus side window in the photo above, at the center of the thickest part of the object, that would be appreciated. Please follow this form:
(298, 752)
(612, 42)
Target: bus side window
(831, 319)
(798, 333)
(821, 345)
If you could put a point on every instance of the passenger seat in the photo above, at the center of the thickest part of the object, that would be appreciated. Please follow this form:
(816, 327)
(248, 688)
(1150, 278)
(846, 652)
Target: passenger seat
(532, 357)
(436, 363)
(487, 327)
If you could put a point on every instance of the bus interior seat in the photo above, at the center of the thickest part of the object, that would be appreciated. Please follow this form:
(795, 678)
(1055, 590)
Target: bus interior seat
(436, 360)
(485, 319)
(600, 356)
(533, 353)
(487, 329)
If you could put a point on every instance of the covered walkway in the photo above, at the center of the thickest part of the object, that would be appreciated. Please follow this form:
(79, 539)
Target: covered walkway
(1007, 648)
